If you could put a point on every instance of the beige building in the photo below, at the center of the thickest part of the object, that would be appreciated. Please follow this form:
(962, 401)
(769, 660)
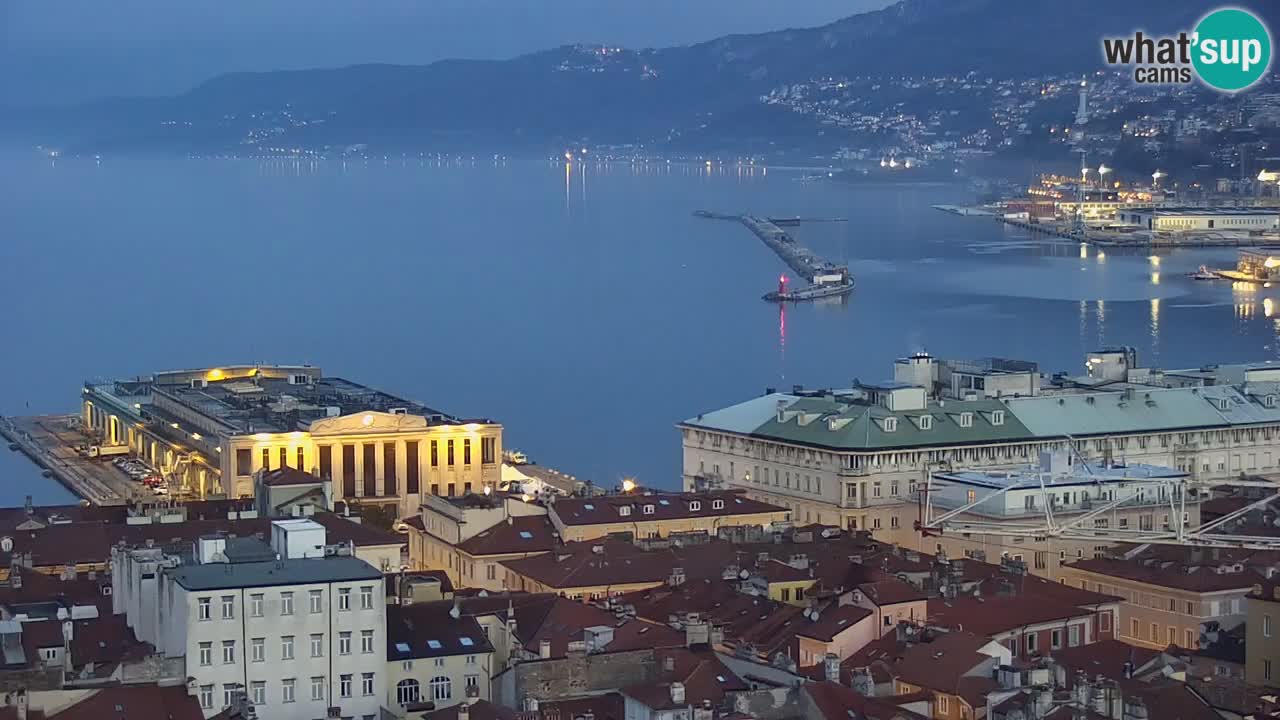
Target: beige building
(1169, 592)
(469, 537)
(210, 430)
(435, 658)
(1262, 642)
(855, 457)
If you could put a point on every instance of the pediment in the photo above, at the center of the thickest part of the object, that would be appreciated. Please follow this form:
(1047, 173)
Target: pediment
(367, 422)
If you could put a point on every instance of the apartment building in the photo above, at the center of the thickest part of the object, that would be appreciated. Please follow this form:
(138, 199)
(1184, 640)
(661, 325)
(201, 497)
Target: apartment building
(436, 657)
(1262, 639)
(1168, 592)
(469, 537)
(295, 628)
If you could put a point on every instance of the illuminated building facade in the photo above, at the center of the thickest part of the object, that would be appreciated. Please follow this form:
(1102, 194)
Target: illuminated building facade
(210, 430)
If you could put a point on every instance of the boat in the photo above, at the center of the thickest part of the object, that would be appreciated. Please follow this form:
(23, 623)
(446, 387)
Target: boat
(1255, 265)
(1203, 273)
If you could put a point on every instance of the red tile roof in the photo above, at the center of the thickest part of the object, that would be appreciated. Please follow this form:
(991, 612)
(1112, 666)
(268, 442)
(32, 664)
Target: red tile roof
(616, 562)
(135, 702)
(704, 677)
(939, 665)
(1106, 657)
(283, 476)
(832, 622)
(478, 710)
(607, 509)
(1186, 568)
(994, 615)
(838, 702)
(891, 591)
(524, 534)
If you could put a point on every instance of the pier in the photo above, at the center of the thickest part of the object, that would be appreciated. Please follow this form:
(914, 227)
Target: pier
(51, 443)
(826, 279)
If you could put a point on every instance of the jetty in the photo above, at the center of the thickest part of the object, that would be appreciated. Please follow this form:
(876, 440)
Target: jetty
(51, 444)
(825, 278)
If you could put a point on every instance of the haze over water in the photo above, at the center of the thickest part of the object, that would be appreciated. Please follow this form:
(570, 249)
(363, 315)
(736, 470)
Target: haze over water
(586, 310)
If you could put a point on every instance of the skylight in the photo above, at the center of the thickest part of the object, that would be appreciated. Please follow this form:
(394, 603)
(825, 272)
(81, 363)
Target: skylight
(434, 644)
(402, 647)
(589, 506)
(720, 678)
(526, 535)
(466, 641)
(663, 501)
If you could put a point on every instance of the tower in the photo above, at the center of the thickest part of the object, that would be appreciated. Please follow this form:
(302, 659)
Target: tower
(1077, 222)
(1082, 111)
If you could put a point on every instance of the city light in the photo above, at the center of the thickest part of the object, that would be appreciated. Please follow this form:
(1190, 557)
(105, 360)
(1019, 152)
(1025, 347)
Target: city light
(628, 485)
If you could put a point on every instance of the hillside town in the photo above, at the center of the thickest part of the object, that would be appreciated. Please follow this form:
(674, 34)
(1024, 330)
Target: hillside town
(971, 539)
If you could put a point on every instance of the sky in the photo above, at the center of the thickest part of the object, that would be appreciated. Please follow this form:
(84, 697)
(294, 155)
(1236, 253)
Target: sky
(72, 50)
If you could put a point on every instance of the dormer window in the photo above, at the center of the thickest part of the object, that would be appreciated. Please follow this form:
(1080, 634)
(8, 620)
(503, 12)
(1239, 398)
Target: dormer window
(1269, 400)
(926, 422)
(997, 417)
(717, 504)
(648, 509)
(966, 419)
(624, 511)
(890, 424)
(694, 506)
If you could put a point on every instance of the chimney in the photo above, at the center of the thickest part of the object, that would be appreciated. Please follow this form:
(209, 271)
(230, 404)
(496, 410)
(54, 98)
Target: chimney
(863, 683)
(15, 578)
(464, 712)
(22, 701)
(544, 649)
(677, 693)
(831, 667)
(668, 664)
(28, 506)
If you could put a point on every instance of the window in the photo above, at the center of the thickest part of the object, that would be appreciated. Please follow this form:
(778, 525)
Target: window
(717, 504)
(435, 453)
(317, 687)
(266, 458)
(287, 688)
(255, 604)
(244, 468)
(286, 603)
(1073, 635)
(411, 466)
(893, 488)
(206, 697)
(366, 684)
(228, 652)
(1031, 643)
(344, 643)
(624, 511)
(317, 645)
(875, 523)
(997, 417)
(1155, 632)
(302, 459)
(344, 598)
(471, 659)
(258, 649)
(1266, 669)
(441, 688)
(258, 692)
(1266, 626)
(466, 451)
(926, 422)
(407, 692)
(491, 572)
(1173, 635)
(366, 642)
(450, 453)
(1189, 640)
(366, 597)
(943, 702)
(890, 424)
(206, 653)
(473, 681)
(786, 594)
(286, 647)
(893, 522)
(966, 419)
(694, 506)
(205, 611)
(1133, 628)
(344, 686)
(317, 601)
(648, 509)
(229, 693)
(1055, 639)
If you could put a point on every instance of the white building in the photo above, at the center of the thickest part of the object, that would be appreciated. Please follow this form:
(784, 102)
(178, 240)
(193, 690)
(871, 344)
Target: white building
(1174, 219)
(299, 633)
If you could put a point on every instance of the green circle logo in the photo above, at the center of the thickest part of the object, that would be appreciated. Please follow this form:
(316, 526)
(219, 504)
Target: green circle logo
(1232, 49)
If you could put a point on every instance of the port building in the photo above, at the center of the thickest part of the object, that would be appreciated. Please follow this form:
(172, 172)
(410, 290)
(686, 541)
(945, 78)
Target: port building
(1183, 218)
(212, 429)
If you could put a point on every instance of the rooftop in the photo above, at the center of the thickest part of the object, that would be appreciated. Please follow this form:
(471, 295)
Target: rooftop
(649, 506)
(522, 534)
(1076, 473)
(218, 576)
(248, 399)
(1185, 568)
(426, 630)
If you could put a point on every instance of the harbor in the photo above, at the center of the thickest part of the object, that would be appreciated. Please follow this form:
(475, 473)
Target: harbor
(53, 443)
(825, 278)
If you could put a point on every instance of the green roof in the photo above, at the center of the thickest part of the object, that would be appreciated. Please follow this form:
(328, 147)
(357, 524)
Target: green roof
(842, 423)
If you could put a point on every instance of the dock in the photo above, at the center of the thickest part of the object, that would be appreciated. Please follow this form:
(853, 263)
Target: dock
(826, 279)
(51, 441)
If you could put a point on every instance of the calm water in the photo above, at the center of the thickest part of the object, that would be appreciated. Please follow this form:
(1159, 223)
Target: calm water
(588, 311)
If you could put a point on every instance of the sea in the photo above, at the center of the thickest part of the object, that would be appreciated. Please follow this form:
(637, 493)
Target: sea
(580, 304)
